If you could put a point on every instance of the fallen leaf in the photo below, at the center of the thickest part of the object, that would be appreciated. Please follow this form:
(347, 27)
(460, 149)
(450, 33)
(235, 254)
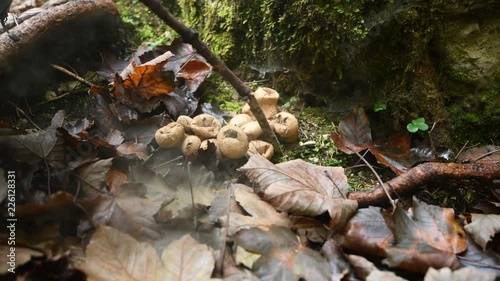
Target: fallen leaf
(462, 274)
(262, 214)
(488, 154)
(186, 260)
(283, 256)
(129, 214)
(112, 255)
(367, 232)
(428, 236)
(135, 149)
(92, 176)
(195, 72)
(301, 188)
(147, 80)
(483, 228)
(354, 132)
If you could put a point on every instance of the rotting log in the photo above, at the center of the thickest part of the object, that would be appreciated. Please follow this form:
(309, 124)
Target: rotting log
(53, 36)
(423, 174)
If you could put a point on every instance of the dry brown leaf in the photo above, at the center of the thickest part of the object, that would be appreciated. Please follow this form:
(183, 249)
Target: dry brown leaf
(130, 214)
(355, 132)
(301, 188)
(483, 228)
(186, 259)
(262, 214)
(115, 256)
(462, 274)
(147, 80)
(367, 232)
(427, 236)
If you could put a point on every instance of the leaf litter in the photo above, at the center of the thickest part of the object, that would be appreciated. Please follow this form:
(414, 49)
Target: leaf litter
(114, 207)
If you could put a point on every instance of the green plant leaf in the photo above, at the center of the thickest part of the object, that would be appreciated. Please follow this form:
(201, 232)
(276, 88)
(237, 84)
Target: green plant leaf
(379, 106)
(423, 126)
(412, 128)
(418, 121)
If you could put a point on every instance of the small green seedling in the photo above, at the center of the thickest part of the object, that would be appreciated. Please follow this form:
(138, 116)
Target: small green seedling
(379, 106)
(417, 124)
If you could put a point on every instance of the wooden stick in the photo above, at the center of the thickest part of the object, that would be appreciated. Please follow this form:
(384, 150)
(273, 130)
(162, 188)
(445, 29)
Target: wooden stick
(426, 173)
(190, 36)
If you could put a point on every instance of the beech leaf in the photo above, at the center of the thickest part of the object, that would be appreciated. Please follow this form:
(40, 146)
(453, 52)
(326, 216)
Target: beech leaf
(112, 255)
(301, 188)
(483, 228)
(186, 259)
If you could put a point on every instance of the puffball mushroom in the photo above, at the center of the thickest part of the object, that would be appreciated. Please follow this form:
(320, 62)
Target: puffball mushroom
(240, 119)
(286, 126)
(190, 145)
(170, 135)
(247, 110)
(185, 121)
(252, 130)
(204, 146)
(261, 147)
(205, 126)
(268, 100)
(232, 142)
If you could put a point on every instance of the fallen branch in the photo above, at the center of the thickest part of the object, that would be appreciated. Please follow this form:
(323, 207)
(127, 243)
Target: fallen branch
(423, 174)
(53, 36)
(190, 36)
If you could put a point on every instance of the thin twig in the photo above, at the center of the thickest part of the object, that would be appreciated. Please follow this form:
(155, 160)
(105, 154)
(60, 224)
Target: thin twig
(484, 155)
(382, 184)
(76, 76)
(461, 149)
(190, 36)
(195, 219)
(25, 115)
(220, 264)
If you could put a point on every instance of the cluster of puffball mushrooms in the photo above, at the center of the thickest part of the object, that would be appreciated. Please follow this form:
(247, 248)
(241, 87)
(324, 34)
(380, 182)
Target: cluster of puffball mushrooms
(236, 139)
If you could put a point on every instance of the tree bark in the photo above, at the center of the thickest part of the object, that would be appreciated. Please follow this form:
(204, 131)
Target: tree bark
(53, 36)
(423, 174)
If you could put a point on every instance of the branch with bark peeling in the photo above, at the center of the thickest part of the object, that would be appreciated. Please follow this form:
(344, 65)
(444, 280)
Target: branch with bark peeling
(190, 36)
(423, 174)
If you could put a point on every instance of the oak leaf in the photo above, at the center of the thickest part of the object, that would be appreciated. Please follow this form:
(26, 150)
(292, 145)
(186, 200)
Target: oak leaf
(483, 228)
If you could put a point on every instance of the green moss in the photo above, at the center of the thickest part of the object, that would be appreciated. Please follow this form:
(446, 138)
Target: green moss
(475, 117)
(142, 25)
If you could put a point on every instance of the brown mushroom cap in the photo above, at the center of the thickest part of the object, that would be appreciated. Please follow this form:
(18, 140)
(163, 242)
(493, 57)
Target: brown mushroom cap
(286, 126)
(185, 121)
(252, 130)
(170, 135)
(190, 145)
(268, 100)
(232, 142)
(240, 119)
(261, 147)
(204, 146)
(205, 126)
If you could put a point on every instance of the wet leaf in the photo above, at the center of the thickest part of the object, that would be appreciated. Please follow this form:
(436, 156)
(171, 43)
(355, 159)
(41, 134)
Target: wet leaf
(354, 132)
(475, 256)
(113, 255)
(483, 228)
(186, 260)
(301, 188)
